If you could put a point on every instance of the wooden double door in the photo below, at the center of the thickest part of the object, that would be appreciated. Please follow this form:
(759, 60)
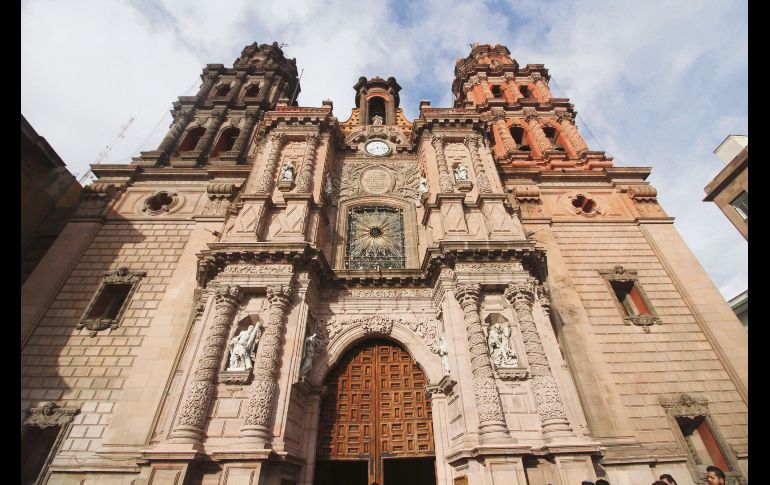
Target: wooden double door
(375, 423)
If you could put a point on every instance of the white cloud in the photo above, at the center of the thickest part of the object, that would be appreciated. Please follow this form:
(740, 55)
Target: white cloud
(659, 83)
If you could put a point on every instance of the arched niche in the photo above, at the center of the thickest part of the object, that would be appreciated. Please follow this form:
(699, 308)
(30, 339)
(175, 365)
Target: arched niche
(407, 208)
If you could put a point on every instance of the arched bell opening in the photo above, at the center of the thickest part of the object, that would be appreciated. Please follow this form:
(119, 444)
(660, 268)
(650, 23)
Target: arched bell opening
(375, 421)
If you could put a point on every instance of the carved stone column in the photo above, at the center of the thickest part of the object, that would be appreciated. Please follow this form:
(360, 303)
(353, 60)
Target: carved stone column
(513, 88)
(208, 82)
(189, 426)
(305, 178)
(505, 136)
(492, 427)
(542, 91)
(264, 386)
(181, 121)
(266, 182)
(541, 141)
(444, 179)
(571, 133)
(240, 142)
(240, 78)
(486, 89)
(472, 142)
(205, 142)
(549, 402)
(266, 87)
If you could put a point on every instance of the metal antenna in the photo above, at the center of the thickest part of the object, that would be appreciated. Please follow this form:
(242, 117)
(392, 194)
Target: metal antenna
(294, 94)
(103, 154)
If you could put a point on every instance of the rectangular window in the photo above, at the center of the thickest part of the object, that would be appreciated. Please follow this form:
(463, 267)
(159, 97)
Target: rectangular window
(741, 205)
(36, 446)
(630, 299)
(110, 301)
(701, 442)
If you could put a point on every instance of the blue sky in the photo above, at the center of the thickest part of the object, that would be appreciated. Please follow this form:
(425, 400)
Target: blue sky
(658, 84)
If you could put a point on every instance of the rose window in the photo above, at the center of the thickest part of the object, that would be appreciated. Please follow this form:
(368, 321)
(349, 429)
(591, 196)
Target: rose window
(375, 238)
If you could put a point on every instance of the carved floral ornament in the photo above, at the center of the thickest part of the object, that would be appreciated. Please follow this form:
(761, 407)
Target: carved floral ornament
(618, 273)
(50, 414)
(328, 330)
(685, 406)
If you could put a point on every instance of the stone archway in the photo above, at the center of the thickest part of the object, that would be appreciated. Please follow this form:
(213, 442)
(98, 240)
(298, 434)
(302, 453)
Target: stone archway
(375, 422)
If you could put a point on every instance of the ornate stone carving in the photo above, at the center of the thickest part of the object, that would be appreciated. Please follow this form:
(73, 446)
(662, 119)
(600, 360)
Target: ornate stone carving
(263, 388)
(259, 269)
(395, 179)
(685, 406)
(542, 141)
(328, 330)
(473, 142)
(512, 373)
(567, 122)
(307, 356)
(242, 349)
(277, 141)
(440, 347)
(644, 321)
(487, 399)
(445, 181)
(488, 268)
(50, 414)
(160, 203)
(549, 403)
(305, 179)
(500, 353)
(542, 298)
(181, 120)
(189, 427)
(618, 273)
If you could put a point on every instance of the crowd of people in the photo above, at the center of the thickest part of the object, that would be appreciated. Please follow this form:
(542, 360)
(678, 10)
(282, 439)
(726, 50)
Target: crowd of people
(714, 476)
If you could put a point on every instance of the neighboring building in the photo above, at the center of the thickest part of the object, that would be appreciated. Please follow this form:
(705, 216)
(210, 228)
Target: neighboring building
(49, 194)
(730, 188)
(470, 297)
(740, 305)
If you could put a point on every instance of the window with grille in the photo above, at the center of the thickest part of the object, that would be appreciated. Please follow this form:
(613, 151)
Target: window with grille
(375, 238)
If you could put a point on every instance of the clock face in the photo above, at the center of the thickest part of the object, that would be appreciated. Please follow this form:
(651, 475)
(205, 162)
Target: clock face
(377, 148)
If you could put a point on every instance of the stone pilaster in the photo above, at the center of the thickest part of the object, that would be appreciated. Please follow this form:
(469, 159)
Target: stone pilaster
(513, 88)
(486, 89)
(502, 128)
(266, 182)
(444, 179)
(205, 142)
(542, 91)
(189, 427)
(571, 133)
(264, 387)
(492, 427)
(482, 182)
(181, 121)
(240, 78)
(208, 82)
(266, 87)
(240, 142)
(542, 143)
(305, 178)
(549, 402)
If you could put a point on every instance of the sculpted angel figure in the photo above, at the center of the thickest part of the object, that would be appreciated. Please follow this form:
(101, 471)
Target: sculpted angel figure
(242, 348)
(461, 173)
(499, 350)
(377, 120)
(440, 347)
(423, 187)
(287, 172)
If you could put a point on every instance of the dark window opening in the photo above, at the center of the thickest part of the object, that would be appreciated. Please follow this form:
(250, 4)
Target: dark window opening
(191, 140)
(222, 90)
(109, 302)
(741, 205)
(701, 442)
(376, 108)
(226, 141)
(584, 204)
(496, 91)
(553, 136)
(517, 133)
(630, 299)
(252, 91)
(159, 201)
(36, 446)
(524, 90)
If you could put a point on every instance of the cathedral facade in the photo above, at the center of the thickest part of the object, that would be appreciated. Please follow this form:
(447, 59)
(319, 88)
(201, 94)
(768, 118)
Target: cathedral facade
(474, 296)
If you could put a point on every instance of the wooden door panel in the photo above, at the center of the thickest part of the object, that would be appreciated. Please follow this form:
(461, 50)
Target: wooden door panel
(375, 406)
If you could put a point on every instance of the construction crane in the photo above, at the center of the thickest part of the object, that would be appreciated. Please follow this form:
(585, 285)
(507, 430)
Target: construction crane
(103, 154)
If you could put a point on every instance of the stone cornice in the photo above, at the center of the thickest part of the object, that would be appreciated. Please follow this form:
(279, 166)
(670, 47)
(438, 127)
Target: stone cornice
(612, 175)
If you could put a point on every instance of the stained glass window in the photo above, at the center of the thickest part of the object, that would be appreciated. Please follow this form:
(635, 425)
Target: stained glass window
(375, 238)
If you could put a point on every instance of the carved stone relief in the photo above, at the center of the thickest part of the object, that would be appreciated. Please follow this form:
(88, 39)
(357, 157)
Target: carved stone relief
(328, 330)
(50, 414)
(400, 179)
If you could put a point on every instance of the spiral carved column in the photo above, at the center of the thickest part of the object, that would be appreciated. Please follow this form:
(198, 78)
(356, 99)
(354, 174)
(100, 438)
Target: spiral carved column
(240, 142)
(189, 426)
(513, 88)
(572, 134)
(489, 407)
(505, 136)
(266, 87)
(444, 179)
(305, 179)
(208, 82)
(266, 182)
(549, 403)
(181, 121)
(541, 141)
(205, 142)
(542, 91)
(264, 387)
(472, 142)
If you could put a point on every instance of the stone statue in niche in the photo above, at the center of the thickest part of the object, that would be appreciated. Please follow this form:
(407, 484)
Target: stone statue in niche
(243, 348)
(287, 173)
(461, 173)
(499, 349)
(440, 347)
(328, 186)
(307, 357)
(423, 187)
(377, 120)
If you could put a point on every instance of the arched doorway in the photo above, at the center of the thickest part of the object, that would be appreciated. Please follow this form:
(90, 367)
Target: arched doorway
(375, 421)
